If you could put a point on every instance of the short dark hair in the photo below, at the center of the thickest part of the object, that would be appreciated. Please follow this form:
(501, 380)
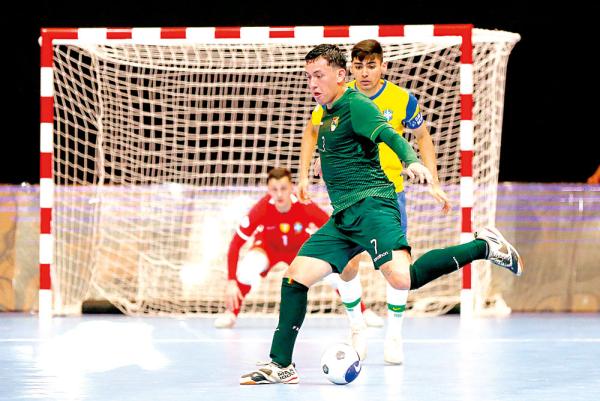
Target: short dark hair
(278, 173)
(331, 53)
(367, 48)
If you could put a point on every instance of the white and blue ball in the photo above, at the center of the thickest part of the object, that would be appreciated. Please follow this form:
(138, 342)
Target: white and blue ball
(340, 363)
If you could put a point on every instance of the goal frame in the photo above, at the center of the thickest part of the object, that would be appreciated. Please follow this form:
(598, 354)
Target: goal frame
(231, 34)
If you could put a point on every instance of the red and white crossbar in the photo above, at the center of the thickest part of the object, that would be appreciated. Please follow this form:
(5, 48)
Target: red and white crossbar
(246, 34)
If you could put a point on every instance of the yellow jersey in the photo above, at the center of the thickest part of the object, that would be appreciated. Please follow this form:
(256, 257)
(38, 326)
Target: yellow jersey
(401, 110)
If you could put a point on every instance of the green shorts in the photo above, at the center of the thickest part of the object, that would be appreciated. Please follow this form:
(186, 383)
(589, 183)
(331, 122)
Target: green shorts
(371, 224)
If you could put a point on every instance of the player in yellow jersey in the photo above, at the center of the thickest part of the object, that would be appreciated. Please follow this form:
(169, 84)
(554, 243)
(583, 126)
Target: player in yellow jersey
(401, 110)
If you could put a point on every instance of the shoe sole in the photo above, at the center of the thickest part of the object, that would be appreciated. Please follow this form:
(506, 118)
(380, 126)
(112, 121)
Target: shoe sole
(293, 380)
(520, 262)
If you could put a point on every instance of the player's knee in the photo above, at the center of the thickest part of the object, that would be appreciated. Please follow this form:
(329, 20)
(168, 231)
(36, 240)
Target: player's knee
(245, 278)
(397, 273)
(351, 269)
(349, 274)
(307, 270)
(251, 266)
(399, 281)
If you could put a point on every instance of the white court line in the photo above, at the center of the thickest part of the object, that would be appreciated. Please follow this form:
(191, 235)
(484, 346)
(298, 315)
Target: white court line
(319, 340)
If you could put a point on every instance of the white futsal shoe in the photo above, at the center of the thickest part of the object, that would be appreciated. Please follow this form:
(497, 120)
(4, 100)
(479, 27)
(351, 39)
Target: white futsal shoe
(358, 339)
(372, 319)
(500, 251)
(270, 373)
(226, 320)
(393, 351)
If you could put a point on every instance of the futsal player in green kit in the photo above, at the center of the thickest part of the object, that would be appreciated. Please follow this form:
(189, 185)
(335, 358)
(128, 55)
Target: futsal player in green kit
(365, 211)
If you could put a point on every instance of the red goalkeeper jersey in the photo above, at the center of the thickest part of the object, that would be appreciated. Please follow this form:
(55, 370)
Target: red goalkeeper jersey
(280, 235)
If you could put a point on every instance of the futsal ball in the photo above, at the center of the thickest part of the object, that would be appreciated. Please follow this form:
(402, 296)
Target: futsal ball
(340, 363)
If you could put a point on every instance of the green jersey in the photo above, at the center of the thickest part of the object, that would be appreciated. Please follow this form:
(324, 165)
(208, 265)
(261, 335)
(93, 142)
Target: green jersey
(347, 144)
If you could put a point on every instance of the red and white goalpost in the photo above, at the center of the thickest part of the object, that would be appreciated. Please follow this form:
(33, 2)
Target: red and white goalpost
(155, 141)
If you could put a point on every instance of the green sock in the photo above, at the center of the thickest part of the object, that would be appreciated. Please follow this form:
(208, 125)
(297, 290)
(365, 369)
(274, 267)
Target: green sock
(291, 316)
(438, 262)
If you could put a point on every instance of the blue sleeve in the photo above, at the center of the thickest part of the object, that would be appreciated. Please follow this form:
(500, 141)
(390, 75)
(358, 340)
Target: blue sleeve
(414, 118)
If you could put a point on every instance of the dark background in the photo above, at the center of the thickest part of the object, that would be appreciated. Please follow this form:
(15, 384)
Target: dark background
(550, 131)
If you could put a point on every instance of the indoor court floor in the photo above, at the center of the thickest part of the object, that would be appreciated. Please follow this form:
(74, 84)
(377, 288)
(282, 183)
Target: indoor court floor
(550, 357)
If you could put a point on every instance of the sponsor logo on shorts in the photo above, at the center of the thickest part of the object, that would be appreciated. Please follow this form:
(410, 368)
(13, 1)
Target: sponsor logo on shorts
(381, 255)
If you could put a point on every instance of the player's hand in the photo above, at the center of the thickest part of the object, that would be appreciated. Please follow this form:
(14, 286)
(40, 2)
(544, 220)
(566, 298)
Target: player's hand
(419, 173)
(439, 195)
(303, 190)
(233, 295)
(317, 166)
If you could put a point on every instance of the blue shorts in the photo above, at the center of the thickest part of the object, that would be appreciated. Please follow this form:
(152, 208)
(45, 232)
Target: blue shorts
(401, 196)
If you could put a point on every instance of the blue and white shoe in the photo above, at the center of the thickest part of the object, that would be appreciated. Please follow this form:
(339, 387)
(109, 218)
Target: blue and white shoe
(500, 251)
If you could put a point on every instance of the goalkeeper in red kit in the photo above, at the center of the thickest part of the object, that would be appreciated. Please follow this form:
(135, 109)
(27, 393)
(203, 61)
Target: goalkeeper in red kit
(278, 224)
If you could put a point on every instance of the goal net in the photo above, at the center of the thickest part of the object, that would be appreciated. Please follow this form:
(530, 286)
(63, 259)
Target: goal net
(160, 147)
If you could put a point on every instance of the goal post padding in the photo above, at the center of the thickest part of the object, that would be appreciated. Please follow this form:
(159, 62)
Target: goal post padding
(159, 141)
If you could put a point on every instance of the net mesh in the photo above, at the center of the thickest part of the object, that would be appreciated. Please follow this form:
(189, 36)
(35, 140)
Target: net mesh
(160, 150)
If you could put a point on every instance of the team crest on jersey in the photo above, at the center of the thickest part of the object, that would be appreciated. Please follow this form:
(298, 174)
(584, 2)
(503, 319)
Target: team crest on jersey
(284, 228)
(334, 123)
(298, 227)
(388, 114)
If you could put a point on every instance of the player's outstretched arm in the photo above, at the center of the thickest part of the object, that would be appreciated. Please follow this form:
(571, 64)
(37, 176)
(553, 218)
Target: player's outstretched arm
(309, 141)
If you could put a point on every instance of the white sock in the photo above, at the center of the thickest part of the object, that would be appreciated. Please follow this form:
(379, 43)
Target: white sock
(396, 302)
(351, 292)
